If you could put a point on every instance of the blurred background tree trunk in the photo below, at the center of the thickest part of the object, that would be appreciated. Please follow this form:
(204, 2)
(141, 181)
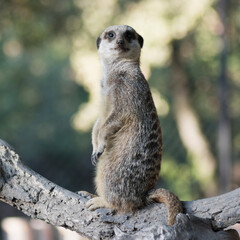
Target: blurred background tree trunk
(189, 126)
(224, 130)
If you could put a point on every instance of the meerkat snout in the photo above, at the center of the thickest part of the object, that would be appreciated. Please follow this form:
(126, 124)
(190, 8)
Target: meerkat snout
(120, 42)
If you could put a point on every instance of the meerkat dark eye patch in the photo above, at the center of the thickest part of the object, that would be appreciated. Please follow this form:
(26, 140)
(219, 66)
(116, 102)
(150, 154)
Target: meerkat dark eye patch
(98, 42)
(129, 36)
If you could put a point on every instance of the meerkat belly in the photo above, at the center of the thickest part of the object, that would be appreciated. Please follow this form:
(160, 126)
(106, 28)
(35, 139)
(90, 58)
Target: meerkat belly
(128, 171)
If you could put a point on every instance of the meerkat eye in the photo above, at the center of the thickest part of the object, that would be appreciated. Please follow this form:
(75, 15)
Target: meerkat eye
(111, 35)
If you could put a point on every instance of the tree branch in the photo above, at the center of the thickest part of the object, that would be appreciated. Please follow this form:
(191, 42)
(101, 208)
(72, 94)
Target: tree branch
(39, 198)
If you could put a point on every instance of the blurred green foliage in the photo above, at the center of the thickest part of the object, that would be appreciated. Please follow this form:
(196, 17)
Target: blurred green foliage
(40, 90)
(38, 94)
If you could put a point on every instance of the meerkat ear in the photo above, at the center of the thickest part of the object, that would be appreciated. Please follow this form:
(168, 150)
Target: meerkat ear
(140, 40)
(98, 42)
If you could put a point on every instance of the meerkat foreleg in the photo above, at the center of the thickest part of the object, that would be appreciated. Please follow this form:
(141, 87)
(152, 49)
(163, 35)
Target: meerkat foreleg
(101, 133)
(95, 133)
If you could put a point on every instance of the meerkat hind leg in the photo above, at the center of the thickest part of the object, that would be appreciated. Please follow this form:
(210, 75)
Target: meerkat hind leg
(95, 203)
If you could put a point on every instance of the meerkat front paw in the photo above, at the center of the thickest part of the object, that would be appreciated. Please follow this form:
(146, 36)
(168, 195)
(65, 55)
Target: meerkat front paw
(95, 203)
(95, 156)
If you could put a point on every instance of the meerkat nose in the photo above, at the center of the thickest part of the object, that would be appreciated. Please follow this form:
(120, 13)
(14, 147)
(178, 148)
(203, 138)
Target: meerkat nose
(120, 42)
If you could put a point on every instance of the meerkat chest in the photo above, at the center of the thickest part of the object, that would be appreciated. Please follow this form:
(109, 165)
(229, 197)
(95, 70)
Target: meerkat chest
(106, 103)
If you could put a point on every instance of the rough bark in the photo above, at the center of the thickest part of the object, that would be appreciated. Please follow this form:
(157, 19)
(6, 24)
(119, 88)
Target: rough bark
(39, 198)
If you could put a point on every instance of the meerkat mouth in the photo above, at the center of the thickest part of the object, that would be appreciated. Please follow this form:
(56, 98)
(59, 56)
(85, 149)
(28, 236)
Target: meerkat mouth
(124, 49)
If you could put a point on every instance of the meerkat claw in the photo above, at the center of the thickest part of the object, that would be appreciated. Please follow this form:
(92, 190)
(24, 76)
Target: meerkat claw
(95, 203)
(86, 194)
(95, 157)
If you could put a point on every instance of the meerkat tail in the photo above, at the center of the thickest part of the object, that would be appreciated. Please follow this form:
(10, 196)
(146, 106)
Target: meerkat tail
(172, 202)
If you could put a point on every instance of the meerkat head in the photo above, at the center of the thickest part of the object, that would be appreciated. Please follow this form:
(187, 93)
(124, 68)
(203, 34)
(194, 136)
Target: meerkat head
(119, 42)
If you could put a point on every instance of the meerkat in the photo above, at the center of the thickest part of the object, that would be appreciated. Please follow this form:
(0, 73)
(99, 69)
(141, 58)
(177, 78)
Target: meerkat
(126, 138)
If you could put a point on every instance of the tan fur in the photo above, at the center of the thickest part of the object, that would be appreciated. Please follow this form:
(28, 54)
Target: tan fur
(127, 140)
